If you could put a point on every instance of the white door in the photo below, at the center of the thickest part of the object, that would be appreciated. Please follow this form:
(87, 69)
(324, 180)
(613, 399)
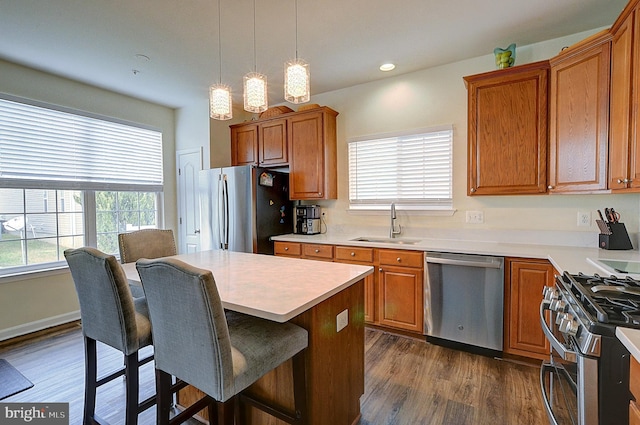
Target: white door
(189, 164)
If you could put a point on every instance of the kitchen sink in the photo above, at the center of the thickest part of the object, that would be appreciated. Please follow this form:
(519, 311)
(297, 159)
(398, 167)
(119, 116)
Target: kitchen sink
(399, 241)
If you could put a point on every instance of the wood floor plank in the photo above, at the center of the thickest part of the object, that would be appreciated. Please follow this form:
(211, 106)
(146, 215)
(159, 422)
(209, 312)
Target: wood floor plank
(407, 381)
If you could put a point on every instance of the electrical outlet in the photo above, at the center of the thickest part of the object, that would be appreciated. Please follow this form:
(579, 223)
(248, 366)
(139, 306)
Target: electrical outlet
(475, 217)
(584, 218)
(342, 320)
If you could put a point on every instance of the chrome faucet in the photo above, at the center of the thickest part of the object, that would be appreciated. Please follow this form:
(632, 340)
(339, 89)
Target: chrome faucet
(392, 227)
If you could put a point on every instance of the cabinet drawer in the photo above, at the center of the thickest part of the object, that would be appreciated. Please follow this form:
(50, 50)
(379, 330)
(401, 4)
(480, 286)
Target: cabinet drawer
(634, 378)
(634, 413)
(318, 251)
(391, 257)
(350, 253)
(287, 248)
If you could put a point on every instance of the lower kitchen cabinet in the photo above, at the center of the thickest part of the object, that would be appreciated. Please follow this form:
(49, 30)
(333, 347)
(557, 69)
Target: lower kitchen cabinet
(393, 295)
(361, 256)
(400, 289)
(634, 387)
(287, 249)
(524, 282)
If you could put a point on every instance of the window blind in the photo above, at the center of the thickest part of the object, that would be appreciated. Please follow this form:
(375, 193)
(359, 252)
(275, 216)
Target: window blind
(408, 169)
(42, 147)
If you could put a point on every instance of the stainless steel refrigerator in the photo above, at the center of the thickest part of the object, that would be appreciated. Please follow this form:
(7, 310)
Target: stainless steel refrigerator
(242, 207)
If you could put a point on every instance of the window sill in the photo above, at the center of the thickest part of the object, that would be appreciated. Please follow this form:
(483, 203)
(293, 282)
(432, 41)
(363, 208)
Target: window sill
(33, 274)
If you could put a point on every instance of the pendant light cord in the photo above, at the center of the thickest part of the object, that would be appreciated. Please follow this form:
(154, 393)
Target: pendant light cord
(296, 29)
(219, 45)
(255, 60)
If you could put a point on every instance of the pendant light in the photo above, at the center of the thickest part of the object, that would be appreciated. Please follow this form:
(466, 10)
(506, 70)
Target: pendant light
(255, 84)
(220, 104)
(296, 76)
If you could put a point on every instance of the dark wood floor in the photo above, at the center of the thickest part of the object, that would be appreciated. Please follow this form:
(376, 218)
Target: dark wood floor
(407, 381)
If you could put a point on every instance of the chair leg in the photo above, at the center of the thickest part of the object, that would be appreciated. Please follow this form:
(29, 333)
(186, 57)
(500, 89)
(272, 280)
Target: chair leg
(226, 412)
(300, 387)
(163, 397)
(90, 379)
(131, 367)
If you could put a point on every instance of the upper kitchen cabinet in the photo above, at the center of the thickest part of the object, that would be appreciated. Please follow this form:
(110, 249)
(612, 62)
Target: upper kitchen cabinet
(624, 155)
(507, 130)
(244, 144)
(260, 143)
(579, 116)
(312, 154)
(304, 141)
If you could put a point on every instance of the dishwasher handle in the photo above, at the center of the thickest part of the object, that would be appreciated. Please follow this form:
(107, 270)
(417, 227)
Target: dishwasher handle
(493, 263)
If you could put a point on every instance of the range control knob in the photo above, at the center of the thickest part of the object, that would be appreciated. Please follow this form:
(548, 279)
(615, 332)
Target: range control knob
(550, 294)
(568, 325)
(560, 317)
(558, 305)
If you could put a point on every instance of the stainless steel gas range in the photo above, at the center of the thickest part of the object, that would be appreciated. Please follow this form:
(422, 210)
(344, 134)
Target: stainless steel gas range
(586, 380)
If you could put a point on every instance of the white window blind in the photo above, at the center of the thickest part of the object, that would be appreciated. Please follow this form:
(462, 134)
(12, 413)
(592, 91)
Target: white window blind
(42, 147)
(410, 169)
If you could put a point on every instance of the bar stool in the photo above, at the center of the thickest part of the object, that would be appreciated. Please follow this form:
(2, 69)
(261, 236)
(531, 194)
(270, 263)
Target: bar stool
(145, 243)
(112, 316)
(220, 353)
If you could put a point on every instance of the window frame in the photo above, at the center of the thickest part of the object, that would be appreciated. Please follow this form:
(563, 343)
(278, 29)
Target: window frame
(88, 189)
(443, 207)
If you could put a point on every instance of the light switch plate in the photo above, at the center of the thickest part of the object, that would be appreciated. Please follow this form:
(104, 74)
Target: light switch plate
(342, 320)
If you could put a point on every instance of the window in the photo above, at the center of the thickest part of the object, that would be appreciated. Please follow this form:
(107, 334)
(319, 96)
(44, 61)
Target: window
(414, 170)
(68, 180)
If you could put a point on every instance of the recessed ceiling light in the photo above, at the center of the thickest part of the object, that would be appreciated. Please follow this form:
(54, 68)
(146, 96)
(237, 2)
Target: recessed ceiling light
(387, 67)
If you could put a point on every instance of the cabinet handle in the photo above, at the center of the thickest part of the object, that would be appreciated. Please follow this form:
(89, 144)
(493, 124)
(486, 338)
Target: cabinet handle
(550, 187)
(473, 189)
(319, 193)
(625, 181)
(286, 248)
(380, 270)
(398, 259)
(317, 251)
(353, 254)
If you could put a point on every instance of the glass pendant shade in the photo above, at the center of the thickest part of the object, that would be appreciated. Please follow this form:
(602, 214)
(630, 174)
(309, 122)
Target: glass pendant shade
(255, 92)
(296, 81)
(220, 106)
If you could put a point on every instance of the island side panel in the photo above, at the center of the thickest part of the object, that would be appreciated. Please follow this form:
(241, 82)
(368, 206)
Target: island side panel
(335, 364)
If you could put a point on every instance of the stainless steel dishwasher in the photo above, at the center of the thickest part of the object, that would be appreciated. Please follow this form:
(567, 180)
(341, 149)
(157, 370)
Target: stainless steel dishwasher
(464, 300)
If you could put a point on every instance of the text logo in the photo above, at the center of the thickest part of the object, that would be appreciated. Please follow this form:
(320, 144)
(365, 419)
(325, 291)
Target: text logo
(34, 413)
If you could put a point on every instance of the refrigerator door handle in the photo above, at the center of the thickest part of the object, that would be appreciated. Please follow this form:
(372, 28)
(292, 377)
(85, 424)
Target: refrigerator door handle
(225, 194)
(220, 218)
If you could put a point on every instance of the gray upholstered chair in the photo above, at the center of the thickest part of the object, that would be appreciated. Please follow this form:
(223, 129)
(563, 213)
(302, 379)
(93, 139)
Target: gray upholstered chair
(112, 316)
(146, 243)
(221, 353)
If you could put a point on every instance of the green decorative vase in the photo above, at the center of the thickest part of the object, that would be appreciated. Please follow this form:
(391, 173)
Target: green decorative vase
(505, 57)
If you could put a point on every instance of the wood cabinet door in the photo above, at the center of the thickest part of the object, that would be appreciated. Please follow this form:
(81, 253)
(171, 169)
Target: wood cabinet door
(272, 143)
(362, 256)
(579, 117)
(525, 281)
(507, 131)
(621, 104)
(306, 155)
(400, 298)
(244, 145)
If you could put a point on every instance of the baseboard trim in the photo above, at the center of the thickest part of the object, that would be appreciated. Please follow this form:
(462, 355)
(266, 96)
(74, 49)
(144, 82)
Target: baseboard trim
(38, 325)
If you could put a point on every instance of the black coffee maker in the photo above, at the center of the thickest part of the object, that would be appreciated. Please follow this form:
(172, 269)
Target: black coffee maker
(307, 219)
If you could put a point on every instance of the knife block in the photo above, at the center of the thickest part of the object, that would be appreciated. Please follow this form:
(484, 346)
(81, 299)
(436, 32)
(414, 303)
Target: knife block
(617, 239)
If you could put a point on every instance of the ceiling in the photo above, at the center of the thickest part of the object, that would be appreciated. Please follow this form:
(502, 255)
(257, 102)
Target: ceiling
(344, 41)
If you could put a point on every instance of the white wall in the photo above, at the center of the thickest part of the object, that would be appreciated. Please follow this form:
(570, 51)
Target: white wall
(438, 96)
(34, 303)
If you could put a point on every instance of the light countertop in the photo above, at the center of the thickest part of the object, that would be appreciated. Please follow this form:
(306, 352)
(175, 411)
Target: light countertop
(564, 258)
(270, 287)
(630, 338)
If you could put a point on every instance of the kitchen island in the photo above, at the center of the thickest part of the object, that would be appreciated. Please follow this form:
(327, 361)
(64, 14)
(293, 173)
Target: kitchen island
(310, 294)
